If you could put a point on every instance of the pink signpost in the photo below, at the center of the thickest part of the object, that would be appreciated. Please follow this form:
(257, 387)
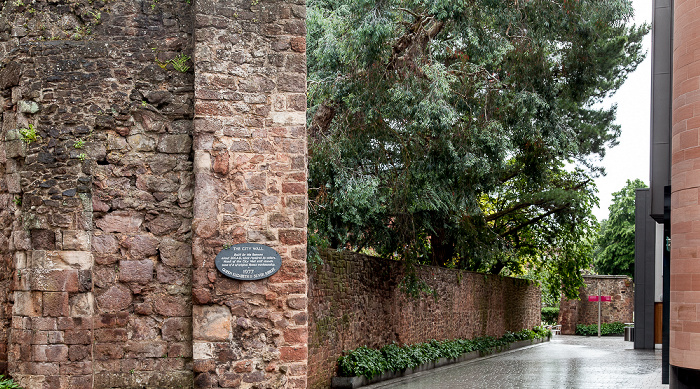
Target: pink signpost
(599, 298)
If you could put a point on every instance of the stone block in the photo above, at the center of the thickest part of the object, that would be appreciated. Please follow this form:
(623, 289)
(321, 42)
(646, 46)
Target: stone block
(202, 351)
(21, 240)
(177, 329)
(27, 304)
(136, 271)
(121, 221)
(44, 324)
(175, 254)
(50, 353)
(143, 328)
(75, 367)
(114, 299)
(175, 144)
(295, 353)
(292, 237)
(141, 142)
(13, 183)
(151, 349)
(172, 306)
(211, 323)
(81, 382)
(15, 149)
(52, 280)
(43, 239)
(45, 368)
(77, 337)
(56, 304)
(107, 351)
(105, 244)
(82, 305)
(76, 240)
(111, 335)
(141, 246)
(164, 224)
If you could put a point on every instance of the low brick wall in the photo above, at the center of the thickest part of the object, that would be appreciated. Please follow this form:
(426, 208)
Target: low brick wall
(620, 288)
(355, 300)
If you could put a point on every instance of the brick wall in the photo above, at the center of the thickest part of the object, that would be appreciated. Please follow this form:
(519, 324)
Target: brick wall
(141, 172)
(356, 300)
(620, 309)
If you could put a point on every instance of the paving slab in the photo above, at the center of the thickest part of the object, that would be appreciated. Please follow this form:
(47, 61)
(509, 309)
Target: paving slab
(565, 362)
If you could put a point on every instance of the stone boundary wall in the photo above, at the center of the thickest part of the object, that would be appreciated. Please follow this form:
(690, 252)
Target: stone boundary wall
(137, 139)
(621, 308)
(356, 300)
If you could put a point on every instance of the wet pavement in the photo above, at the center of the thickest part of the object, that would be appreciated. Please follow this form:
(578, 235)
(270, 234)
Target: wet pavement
(564, 362)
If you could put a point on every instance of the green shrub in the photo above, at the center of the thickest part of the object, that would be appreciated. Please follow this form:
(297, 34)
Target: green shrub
(367, 362)
(8, 383)
(362, 361)
(550, 315)
(615, 328)
(397, 358)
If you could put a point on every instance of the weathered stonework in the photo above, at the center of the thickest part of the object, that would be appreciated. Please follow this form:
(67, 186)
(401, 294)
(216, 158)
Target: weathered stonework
(164, 130)
(250, 166)
(356, 300)
(582, 311)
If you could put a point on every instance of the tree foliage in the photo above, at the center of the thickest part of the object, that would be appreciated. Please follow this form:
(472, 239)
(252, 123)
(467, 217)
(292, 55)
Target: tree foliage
(464, 133)
(614, 252)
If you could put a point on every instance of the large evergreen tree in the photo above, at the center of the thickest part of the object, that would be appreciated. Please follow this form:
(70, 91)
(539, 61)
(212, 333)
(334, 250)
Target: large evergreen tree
(464, 133)
(614, 252)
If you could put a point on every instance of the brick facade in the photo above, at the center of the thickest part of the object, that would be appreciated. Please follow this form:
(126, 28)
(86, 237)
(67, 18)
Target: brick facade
(166, 130)
(620, 309)
(356, 300)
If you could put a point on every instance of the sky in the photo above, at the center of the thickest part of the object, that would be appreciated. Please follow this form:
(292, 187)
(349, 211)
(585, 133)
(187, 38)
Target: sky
(630, 158)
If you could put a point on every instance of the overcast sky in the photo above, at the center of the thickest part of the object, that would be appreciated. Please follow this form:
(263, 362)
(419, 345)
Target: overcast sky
(629, 159)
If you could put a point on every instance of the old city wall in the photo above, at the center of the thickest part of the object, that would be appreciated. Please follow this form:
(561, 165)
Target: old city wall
(582, 311)
(356, 300)
(138, 139)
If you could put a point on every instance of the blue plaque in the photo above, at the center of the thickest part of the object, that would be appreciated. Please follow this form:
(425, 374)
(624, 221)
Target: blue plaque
(248, 261)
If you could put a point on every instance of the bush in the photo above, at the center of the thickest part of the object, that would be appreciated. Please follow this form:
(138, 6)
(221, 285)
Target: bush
(8, 383)
(363, 361)
(367, 362)
(550, 315)
(615, 328)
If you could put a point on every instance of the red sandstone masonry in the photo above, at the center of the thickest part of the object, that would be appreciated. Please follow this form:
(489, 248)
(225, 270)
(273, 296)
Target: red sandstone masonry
(250, 186)
(685, 180)
(582, 311)
(355, 300)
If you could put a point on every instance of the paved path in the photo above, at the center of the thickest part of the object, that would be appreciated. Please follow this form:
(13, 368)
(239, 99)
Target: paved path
(564, 362)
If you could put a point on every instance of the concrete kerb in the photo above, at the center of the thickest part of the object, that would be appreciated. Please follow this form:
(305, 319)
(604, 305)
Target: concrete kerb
(389, 378)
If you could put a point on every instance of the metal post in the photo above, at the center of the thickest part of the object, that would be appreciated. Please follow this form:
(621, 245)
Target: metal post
(599, 298)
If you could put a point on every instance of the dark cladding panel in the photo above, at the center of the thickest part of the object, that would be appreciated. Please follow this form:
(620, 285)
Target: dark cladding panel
(645, 238)
(661, 44)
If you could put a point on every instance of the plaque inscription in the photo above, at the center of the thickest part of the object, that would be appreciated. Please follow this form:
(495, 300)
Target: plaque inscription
(248, 261)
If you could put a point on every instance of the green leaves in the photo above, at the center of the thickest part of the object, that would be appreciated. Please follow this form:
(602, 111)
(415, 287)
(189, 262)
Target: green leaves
(8, 383)
(462, 133)
(614, 253)
(616, 328)
(367, 362)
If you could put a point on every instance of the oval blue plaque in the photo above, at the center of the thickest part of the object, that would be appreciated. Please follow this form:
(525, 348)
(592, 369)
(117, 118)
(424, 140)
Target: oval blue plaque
(248, 261)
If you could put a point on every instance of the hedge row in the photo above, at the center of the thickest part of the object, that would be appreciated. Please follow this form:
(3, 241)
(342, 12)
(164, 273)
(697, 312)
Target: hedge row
(550, 315)
(615, 328)
(364, 361)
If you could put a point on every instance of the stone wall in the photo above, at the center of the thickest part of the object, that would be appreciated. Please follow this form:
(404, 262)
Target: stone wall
(164, 131)
(356, 300)
(620, 309)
